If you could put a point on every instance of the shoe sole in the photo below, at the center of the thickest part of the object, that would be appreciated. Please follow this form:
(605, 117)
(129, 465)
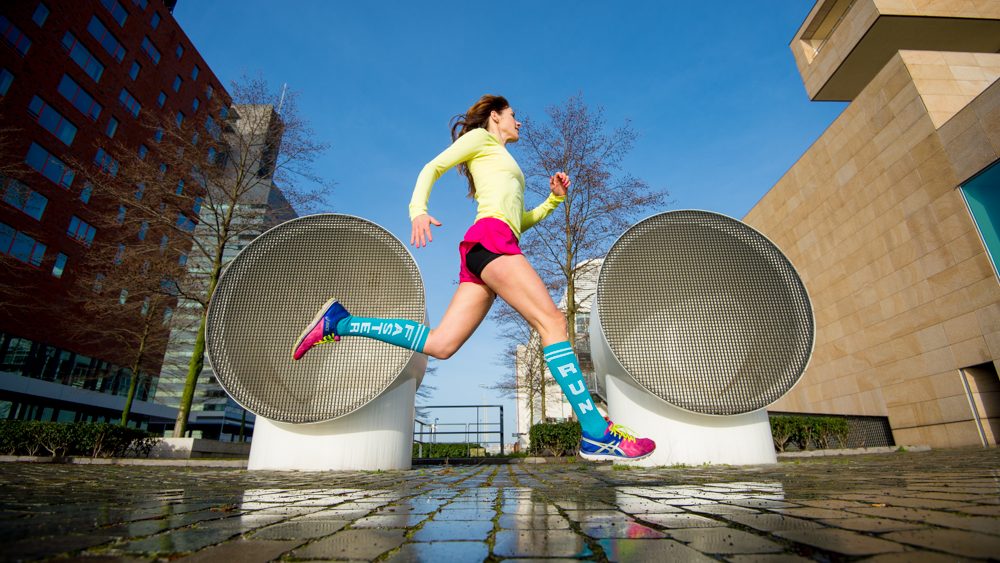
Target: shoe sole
(606, 457)
(312, 325)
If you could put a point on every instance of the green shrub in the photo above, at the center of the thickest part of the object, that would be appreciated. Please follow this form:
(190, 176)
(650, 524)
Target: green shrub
(783, 428)
(808, 432)
(94, 439)
(443, 450)
(555, 439)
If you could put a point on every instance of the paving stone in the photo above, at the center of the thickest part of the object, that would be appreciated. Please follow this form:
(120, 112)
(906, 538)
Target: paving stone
(651, 551)
(981, 510)
(632, 530)
(768, 558)
(244, 551)
(968, 544)
(303, 529)
(681, 520)
(364, 544)
(872, 525)
(725, 540)
(36, 549)
(541, 543)
(441, 551)
(179, 541)
(389, 521)
(722, 509)
(844, 542)
(519, 522)
(453, 530)
(910, 557)
(597, 516)
(465, 514)
(772, 522)
(814, 513)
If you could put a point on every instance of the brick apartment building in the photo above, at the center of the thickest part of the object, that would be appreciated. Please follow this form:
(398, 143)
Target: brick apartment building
(74, 75)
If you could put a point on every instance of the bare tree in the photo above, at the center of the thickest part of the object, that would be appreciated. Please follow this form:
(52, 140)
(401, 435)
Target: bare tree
(523, 358)
(602, 202)
(207, 185)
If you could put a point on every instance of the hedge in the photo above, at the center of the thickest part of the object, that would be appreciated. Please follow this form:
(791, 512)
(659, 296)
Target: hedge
(555, 439)
(442, 450)
(94, 439)
(808, 432)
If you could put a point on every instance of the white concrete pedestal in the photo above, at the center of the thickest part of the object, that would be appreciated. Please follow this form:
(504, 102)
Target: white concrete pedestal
(687, 438)
(379, 435)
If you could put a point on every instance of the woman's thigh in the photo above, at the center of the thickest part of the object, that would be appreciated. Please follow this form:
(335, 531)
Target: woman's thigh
(467, 309)
(517, 283)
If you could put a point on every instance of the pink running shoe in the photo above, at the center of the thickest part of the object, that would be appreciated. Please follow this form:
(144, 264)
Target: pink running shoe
(322, 329)
(617, 443)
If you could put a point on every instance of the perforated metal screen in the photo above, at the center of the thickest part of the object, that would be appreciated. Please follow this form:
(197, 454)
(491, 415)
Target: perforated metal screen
(272, 290)
(705, 313)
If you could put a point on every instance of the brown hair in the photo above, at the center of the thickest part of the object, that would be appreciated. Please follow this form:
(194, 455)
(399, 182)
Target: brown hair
(475, 117)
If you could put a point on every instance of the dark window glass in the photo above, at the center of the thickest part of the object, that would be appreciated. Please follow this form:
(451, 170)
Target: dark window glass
(177, 83)
(49, 166)
(81, 230)
(85, 193)
(143, 229)
(194, 72)
(106, 39)
(60, 266)
(40, 15)
(180, 51)
(151, 50)
(6, 79)
(143, 151)
(194, 104)
(21, 246)
(134, 71)
(24, 198)
(155, 20)
(112, 127)
(82, 56)
(79, 97)
(52, 120)
(180, 118)
(105, 162)
(161, 99)
(118, 12)
(14, 36)
(130, 103)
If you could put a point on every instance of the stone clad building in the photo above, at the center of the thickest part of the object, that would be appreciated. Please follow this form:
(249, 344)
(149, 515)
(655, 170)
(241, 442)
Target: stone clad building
(891, 217)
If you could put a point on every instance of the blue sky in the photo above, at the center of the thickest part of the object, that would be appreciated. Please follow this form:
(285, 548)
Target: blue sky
(711, 87)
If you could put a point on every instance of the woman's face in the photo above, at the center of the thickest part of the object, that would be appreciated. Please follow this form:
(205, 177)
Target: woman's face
(508, 126)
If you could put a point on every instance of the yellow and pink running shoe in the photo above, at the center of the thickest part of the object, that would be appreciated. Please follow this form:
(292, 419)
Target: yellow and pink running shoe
(322, 329)
(617, 443)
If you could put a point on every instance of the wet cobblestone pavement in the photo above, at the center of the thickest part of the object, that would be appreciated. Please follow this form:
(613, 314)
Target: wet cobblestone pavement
(908, 506)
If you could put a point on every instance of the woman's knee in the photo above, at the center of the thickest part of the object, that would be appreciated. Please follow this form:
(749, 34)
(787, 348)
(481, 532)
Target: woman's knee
(553, 323)
(439, 347)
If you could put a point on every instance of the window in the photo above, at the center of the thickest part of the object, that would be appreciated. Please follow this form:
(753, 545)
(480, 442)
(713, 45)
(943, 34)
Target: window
(105, 162)
(163, 169)
(197, 206)
(14, 36)
(120, 254)
(161, 99)
(145, 307)
(208, 92)
(143, 229)
(223, 113)
(86, 192)
(79, 97)
(140, 189)
(118, 12)
(112, 127)
(130, 103)
(40, 15)
(60, 266)
(98, 283)
(211, 154)
(24, 198)
(185, 223)
(52, 120)
(180, 186)
(194, 104)
(6, 79)
(21, 246)
(168, 313)
(212, 127)
(143, 151)
(182, 259)
(49, 166)
(163, 242)
(106, 39)
(195, 138)
(81, 230)
(180, 118)
(82, 56)
(180, 51)
(155, 20)
(123, 296)
(151, 50)
(194, 72)
(134, 71)
(158, 135)
(141, 3)
(121, 214)
(177, 83)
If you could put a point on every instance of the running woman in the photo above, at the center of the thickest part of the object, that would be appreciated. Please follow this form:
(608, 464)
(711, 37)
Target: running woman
(491, 265)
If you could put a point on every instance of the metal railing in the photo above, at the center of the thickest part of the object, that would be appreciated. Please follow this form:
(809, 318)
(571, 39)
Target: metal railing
(469, 430)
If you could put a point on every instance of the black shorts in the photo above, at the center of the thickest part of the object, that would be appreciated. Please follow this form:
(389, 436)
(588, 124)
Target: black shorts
(478, 257)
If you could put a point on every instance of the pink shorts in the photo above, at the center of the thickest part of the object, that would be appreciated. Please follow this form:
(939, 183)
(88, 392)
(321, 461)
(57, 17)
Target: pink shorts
(494, 235)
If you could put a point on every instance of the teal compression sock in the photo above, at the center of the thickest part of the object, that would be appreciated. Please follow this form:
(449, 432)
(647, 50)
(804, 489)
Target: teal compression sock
(398, 332)
(565, 369)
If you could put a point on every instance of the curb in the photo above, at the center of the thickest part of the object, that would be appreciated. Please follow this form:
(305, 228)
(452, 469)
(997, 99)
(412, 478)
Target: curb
(227, 463)
(853, 451)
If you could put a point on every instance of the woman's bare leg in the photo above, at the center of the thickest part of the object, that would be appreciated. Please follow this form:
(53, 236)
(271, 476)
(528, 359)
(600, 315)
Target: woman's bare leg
(514, 279)
(466, 311)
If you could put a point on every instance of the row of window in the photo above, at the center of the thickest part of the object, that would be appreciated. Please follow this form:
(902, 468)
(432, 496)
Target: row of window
(20, 246)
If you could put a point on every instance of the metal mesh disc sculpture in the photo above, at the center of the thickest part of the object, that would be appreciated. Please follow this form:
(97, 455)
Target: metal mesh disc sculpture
(273, 288)
(705, 313)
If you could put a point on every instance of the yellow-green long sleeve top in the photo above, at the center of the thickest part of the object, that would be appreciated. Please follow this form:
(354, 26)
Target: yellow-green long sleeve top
(499, 181)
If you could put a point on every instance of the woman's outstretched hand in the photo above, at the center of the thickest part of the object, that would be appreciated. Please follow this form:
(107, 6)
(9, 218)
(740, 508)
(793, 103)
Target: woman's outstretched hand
(421, 234)
(559, 183)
